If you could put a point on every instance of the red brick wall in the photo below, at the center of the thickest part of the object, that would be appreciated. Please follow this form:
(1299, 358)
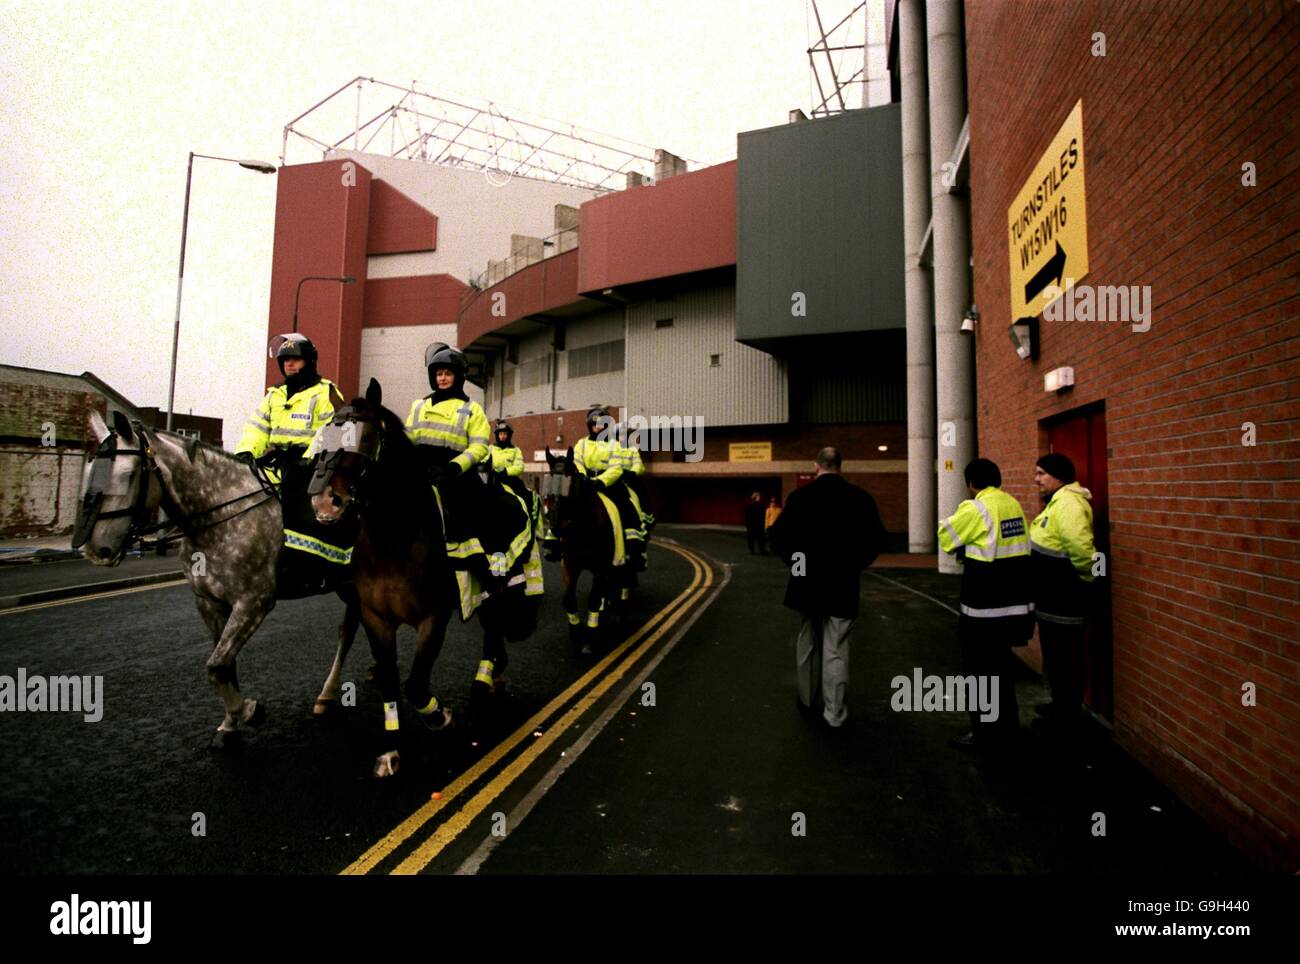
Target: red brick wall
(1205, 531)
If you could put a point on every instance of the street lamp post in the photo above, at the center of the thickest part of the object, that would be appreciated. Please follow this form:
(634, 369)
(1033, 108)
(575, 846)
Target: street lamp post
(345, 280)
(262, 168)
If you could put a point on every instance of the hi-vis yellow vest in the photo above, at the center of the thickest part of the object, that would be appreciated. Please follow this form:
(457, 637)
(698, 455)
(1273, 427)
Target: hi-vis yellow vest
(631, 456)
(453, 423)
(508, 460)
(599, 459)
(283, 421)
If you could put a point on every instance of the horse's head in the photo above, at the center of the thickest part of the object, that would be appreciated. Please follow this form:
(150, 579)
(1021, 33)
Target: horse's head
(560, 488)
(343, 451)
(118, 491)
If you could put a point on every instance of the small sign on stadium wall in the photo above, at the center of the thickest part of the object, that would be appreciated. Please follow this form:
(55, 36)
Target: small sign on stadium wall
(749, 452)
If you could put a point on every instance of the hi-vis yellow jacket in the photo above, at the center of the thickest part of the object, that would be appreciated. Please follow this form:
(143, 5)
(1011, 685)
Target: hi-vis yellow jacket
(995, 579)
(599, 459)
(508, 460)
(453, 423)
(631, 456)
(283, 421)
(1063, 549)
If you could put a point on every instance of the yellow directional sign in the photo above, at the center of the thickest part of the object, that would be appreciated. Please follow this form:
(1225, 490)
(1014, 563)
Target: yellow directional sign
(1047, 223)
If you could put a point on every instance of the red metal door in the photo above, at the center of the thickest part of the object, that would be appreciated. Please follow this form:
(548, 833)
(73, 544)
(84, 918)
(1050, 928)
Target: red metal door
(1082, 437)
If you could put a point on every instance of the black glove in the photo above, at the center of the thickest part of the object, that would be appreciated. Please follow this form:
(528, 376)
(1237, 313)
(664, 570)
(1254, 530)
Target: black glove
(246, 458)
(448, 473)
(598, 485)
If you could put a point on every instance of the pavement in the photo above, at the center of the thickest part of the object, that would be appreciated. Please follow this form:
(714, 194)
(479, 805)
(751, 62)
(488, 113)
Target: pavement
(70, 576)
(717, 774)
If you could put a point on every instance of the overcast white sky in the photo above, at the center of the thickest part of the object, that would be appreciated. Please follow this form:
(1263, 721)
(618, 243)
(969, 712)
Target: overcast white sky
(102, 102)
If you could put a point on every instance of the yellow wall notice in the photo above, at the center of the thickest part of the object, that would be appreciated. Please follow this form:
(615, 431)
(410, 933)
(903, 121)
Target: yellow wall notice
(1047, 223)
(749, 452)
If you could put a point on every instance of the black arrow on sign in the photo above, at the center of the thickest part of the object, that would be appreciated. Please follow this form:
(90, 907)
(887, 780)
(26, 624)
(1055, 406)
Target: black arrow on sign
(1055, 268)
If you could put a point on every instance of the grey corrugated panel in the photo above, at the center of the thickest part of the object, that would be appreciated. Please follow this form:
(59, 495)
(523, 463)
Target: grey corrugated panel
(840, 397)
(669, 371)
(594, 329)
(819, 211)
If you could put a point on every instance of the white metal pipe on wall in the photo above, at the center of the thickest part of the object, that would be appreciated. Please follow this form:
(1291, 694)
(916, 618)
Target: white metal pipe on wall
(954, 399)
(920, 332)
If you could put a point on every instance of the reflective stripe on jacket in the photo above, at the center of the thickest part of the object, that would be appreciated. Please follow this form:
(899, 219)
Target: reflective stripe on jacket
(454, 424)
(508, 460)
(1062, 544)
(631, 456)
(995, 580)
(598, 459)
(283, 421)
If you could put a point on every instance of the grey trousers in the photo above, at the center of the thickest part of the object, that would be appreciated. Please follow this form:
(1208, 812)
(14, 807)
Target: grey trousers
(822, 665)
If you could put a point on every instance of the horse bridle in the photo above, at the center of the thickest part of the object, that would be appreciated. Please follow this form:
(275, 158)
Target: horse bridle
(334, 444)
(89, 513)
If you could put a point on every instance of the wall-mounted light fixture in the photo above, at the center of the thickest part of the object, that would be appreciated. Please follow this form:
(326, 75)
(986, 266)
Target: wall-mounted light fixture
(1024, 336)
(970, 320)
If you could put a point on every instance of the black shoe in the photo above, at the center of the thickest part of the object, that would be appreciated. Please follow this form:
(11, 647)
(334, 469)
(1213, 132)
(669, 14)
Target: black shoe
(1046, 710)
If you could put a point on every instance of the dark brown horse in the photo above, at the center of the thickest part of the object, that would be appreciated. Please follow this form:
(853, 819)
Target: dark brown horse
(578, 517)
(400, 564)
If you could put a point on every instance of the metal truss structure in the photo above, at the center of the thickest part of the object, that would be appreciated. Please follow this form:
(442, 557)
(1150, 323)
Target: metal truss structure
(842, 38)
(408, 123)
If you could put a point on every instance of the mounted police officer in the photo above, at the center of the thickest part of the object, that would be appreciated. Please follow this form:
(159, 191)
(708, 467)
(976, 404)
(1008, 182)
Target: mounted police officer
(600, 458)
(277, 437)
(281, 428)
(507, 460)
(453, 434)
(633, 469)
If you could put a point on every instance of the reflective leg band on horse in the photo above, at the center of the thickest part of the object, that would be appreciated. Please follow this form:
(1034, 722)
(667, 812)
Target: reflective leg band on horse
(390, 716)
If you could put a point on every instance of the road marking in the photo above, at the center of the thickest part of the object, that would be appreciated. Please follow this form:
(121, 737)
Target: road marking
(456, 824)
(525, 806)
(917, 591)
(179, 581)
(408, 827)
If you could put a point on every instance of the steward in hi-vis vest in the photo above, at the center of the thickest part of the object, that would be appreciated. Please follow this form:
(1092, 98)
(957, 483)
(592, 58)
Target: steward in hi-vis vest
(989, 530)
(1062, 544)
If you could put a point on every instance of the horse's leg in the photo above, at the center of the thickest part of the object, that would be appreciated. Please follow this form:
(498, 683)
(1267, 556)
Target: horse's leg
(383, 646)
(328, 697)
(429, 637)
(494, 657)
(215, 613)
(570, 599)
(245, 617)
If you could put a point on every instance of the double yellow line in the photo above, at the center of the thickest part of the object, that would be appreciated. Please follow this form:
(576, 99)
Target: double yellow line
(608, 671)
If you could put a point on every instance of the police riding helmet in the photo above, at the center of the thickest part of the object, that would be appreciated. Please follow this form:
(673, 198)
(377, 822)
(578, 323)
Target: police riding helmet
(294, 345)
(441, 355)
(598, 417)
(503, 426)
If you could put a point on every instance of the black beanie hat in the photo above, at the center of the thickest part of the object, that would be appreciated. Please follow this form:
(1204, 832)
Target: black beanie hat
(1059, 466)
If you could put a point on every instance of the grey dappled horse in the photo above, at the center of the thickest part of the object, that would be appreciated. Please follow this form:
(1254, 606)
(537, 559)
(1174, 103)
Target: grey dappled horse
(233, 536)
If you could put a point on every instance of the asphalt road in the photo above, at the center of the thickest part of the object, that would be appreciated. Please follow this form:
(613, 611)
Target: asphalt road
(577, 770)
